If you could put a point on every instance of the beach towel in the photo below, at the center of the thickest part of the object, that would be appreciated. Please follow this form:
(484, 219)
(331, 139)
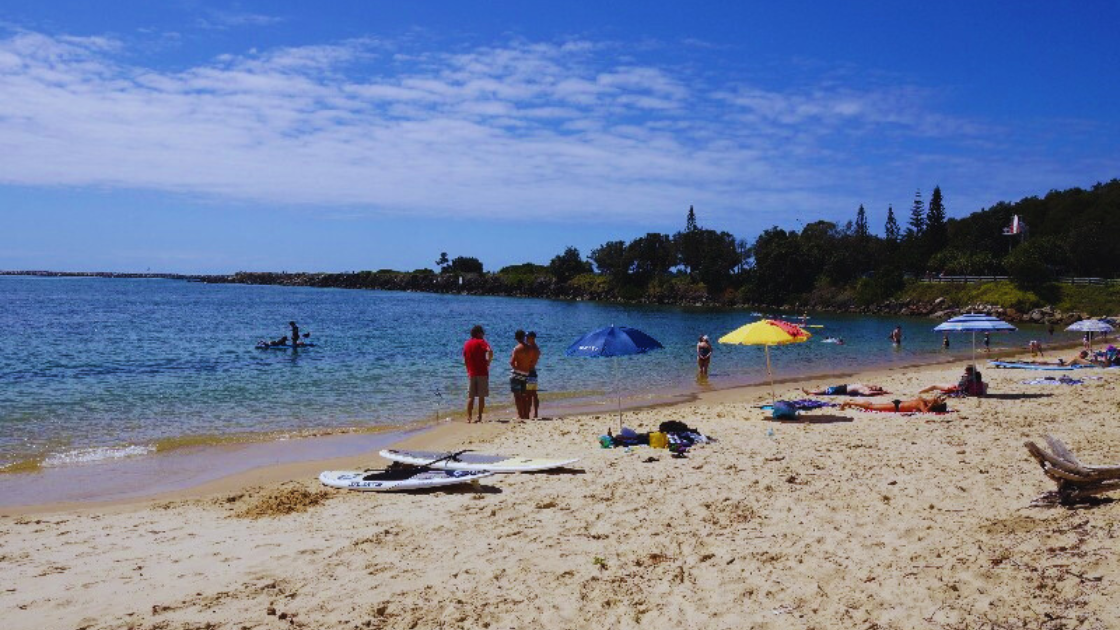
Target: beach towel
(805, 404)
(908, 413)
(1049, 380)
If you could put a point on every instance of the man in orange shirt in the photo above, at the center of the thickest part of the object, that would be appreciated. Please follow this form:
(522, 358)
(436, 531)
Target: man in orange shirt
(477, 356)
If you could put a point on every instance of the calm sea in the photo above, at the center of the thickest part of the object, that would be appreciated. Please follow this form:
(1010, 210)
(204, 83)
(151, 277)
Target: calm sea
(99, 368)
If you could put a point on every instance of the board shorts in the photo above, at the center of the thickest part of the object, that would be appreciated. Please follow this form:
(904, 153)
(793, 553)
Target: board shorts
(531, 383)
(518, 381)
(836, 390)
(479, 387)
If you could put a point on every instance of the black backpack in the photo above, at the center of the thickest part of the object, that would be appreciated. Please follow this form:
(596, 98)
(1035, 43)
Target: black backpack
(675, 426)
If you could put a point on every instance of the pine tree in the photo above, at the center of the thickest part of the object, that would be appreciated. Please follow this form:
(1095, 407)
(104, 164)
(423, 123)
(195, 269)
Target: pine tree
(891, 229)
(936, 233)
(861, 223)
(917, 224)
(690, 249)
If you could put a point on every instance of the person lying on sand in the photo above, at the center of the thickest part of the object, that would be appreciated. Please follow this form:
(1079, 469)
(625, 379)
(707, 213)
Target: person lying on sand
(1084, 358)
(919, 404)
(851, 389)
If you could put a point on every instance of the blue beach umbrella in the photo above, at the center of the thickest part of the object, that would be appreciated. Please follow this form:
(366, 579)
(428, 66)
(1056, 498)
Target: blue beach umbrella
(613, 341)
(974, 323)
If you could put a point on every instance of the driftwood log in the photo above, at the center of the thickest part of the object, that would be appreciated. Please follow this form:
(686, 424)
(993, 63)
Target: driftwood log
(1076, 481)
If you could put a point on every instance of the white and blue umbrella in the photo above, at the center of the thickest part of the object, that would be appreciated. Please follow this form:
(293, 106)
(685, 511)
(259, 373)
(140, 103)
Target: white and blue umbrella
(613, 341)
(1090, 326)
(974, 323)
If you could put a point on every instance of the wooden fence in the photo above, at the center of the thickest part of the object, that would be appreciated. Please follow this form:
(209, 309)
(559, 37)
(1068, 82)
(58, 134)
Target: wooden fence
(976, 279)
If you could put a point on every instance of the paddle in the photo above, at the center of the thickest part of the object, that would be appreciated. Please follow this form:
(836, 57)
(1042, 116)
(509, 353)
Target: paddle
(453, 455)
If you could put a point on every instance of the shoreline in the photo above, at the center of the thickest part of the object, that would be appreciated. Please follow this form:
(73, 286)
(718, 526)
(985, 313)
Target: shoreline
(253, 463)
(841, 518)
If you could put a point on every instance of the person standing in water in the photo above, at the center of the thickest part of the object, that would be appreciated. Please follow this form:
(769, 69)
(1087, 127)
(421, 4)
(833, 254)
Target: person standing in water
(987, 342)
(896, 336)
(945, 341)
(534, 402)
(477, 356)
(703, 354)
(519, 374)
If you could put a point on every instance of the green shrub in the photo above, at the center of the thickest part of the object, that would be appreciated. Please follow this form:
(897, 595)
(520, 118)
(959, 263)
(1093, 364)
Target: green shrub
(591, 284)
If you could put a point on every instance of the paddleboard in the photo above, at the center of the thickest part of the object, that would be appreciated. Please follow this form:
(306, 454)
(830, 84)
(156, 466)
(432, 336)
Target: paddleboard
(286, 347)
(395, 480)
(474, 461)
(1030, 366)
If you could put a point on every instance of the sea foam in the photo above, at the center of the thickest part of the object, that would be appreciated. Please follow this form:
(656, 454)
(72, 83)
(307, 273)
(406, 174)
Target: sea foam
(97, 454)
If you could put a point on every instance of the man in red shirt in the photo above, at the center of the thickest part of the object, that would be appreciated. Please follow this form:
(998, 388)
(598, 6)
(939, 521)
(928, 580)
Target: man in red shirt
(477, 356)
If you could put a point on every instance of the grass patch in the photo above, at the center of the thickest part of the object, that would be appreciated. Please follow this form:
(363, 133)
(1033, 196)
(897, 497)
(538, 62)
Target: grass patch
(1095, 300)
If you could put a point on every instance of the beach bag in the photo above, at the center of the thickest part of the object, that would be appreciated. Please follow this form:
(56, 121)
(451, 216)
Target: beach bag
(784, 410)
(658, 439)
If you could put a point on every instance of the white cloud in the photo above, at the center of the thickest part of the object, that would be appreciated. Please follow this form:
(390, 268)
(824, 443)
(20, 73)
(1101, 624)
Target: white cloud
(536, 130)
(221, 20)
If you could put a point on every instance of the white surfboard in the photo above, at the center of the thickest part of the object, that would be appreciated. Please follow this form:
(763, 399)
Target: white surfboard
(396, 480)
(474, 461)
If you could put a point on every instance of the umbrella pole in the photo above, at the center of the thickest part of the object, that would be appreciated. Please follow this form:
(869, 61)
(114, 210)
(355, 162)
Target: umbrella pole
(974, 349)
(618, 393)
(770, 373)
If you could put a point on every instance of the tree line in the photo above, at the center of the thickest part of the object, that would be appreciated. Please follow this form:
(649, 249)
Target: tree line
(1070, 232)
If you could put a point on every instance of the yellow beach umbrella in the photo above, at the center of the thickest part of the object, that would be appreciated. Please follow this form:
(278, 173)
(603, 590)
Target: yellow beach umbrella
(767, 332)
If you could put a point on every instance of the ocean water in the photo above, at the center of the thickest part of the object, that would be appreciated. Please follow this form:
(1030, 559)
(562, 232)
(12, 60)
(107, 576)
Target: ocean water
(97, 368)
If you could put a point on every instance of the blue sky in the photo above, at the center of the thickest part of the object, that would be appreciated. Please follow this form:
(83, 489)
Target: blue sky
(214, 137)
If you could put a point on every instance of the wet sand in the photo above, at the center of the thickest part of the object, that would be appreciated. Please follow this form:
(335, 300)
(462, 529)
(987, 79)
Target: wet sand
(230, 461)
(843, 519)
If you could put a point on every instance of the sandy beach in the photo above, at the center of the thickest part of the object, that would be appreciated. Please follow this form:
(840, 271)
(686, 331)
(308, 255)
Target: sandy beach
(843, 519)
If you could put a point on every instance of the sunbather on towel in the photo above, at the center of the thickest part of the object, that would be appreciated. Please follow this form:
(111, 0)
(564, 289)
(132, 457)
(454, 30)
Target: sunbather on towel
(919, 404)
(851, 389)
(1084, 358)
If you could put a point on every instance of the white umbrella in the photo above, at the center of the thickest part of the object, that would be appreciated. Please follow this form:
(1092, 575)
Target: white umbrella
(974, 323)
(1090, 326)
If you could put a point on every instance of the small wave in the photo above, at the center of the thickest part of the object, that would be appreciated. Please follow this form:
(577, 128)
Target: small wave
(97, 454)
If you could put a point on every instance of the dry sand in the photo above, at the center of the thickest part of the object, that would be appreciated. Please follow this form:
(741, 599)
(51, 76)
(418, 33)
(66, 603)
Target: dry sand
(842, 520)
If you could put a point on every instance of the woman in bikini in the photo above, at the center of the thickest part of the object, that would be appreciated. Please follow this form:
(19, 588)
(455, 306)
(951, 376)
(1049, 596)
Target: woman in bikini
(703, 354)
(919, 404)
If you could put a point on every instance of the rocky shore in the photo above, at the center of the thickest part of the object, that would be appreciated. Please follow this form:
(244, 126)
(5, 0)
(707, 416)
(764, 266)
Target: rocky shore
(549, 288)
(590, 288)
(941, 309)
